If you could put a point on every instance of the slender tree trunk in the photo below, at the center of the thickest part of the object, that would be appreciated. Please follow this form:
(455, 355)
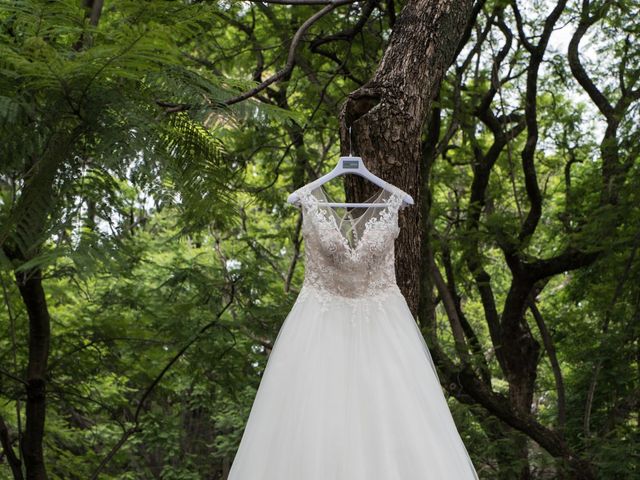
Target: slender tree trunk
(387, 116)
(30, 285)
(29, 218)
(23, 245)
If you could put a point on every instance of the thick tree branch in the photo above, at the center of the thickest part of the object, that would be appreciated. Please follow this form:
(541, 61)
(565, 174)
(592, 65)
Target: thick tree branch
(577, 69)
(569, 259)
(531, 117)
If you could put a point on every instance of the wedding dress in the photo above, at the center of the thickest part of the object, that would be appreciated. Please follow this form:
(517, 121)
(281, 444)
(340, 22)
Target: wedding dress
(349, 391)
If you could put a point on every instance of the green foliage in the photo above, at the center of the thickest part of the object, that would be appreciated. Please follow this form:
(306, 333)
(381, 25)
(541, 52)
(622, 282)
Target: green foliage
(93, 102)
(115, 174)
(142, 198)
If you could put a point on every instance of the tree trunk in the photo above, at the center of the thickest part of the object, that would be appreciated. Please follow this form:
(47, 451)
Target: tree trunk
(30, 286)
(387, 119)
(387, 116)
(29, 218)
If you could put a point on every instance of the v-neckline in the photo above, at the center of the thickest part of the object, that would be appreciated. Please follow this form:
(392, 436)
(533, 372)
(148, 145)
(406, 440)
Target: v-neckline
(352, 249)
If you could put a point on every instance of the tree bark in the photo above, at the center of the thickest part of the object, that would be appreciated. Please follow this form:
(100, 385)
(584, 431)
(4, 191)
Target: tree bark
(387, 119)
(29, 220)
(387, 116)
(33, 296)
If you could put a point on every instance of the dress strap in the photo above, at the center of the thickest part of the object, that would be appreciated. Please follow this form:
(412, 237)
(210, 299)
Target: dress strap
(303, 196)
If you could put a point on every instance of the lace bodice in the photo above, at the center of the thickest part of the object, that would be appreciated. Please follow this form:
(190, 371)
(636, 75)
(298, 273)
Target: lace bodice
(349, 257)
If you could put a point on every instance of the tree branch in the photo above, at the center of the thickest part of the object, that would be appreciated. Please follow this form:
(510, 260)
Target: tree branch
(452, 313)
(578, 71)
(296, 2)
(531, 101)
(295, 41)
(14, 462)
(474, 341)
(550, 348)
(13, 377)
(136, 427)
(350, 33)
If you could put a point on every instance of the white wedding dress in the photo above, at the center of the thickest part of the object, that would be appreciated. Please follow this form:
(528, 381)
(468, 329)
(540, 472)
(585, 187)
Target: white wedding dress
(350, 391)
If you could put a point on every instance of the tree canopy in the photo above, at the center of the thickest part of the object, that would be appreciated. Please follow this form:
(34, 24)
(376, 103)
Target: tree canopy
(149, 256)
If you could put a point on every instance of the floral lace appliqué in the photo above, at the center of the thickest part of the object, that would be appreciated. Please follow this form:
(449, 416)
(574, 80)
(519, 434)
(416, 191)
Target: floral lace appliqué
(359, 275)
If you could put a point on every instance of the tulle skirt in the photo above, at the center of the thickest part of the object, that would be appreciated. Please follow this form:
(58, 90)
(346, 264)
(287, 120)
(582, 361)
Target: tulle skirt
(350, 393)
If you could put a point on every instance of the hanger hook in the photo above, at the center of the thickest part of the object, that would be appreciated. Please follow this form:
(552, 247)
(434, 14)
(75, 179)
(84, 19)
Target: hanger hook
(350, 150)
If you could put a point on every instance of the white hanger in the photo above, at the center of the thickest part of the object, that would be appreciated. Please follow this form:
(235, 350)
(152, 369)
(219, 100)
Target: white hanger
(351, 164)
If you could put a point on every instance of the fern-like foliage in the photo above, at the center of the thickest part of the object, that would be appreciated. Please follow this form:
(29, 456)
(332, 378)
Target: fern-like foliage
(84, 112)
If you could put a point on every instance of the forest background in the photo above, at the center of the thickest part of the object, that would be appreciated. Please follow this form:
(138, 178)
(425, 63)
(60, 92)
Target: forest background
(149, 255)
